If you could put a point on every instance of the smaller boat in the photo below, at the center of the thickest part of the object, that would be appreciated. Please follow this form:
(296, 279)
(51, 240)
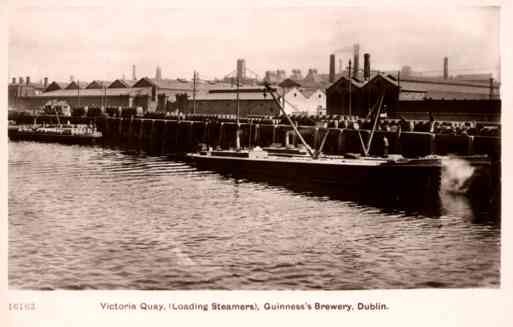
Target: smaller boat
(65, 134)
(82, 135)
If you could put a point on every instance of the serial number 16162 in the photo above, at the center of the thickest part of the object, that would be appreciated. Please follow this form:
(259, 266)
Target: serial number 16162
(22, 306)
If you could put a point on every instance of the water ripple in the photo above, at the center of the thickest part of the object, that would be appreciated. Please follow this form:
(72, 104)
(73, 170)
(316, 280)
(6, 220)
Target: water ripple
(94, 218)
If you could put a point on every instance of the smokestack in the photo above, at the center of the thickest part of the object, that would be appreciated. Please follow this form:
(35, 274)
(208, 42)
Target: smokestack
(332, 68)
(356, 61)
(491, 88)
(20, 80)
(446, 68)
(45, 82)
(241, 70)
(27, 80)
(14, 80)
(366, 66)
(133, 73)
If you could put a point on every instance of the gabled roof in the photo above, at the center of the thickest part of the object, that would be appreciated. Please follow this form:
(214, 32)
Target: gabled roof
(354, 82)
(119, 83)
(95, 85)
(72, 86)
(145, 82)
(295, 94)
(385, 78)
(54, 86)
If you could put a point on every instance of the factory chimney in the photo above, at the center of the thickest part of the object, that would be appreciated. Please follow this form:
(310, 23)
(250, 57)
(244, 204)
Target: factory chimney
(366, 66)
(158, 74)
(241, 70)
(45, 82)
(356, 60)
(491, 88)
(446, 68)
(332, 68)
(27, 80)
(133, 73)
(14, 80)
(20, 80)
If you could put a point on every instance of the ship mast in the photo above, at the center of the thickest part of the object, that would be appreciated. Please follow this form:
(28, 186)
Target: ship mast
(308, 148)
(237, 114)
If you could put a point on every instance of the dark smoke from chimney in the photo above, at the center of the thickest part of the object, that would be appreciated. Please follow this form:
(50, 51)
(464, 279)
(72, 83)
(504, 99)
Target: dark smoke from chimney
(332, 68)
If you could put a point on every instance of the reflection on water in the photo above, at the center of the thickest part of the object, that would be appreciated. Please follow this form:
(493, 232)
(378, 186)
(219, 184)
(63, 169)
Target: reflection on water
(94, 218)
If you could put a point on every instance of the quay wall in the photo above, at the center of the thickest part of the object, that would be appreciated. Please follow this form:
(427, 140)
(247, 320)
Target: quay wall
(167, 136)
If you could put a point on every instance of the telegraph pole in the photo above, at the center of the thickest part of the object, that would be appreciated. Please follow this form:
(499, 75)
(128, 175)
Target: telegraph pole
(78, 92)
(350, 82)
(237, 112)
(194, 93)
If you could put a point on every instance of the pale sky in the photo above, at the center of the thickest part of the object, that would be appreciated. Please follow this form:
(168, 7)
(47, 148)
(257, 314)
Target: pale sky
(93, 41)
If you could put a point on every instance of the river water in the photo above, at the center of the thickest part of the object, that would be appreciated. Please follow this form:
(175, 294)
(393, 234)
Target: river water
(99, 218)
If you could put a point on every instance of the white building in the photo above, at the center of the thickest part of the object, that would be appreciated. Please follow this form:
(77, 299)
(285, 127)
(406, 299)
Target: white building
(309, 102)
(317, 103)
(294, 101)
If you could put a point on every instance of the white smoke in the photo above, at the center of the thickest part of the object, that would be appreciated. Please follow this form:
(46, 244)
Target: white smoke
(456, 175)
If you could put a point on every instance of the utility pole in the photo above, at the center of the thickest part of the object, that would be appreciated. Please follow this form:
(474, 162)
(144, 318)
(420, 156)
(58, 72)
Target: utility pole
(194, 93)
(237, 113)
(105, 96)
(78, 92)
(350, 82)
(398, 90)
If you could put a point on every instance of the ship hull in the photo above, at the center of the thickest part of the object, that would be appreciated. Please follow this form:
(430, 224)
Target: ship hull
(415, 178)
(15, 135)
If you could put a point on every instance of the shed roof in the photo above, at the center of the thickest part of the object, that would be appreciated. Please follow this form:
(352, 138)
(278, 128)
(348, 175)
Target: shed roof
(120, 83)
(289, 83)
(233, 96)
(354, 82)
(95, 85)
(96, 92)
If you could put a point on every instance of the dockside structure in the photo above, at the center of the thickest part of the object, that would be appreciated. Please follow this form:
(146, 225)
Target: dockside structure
(415, 98)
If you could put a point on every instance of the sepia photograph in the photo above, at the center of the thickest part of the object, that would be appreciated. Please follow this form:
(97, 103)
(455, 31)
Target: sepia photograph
(316, 154)
(256, 147)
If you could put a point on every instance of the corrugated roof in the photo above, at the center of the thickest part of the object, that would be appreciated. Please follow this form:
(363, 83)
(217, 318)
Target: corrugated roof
(96, 85)
(97, 92)
(232, 96)
(444, 87)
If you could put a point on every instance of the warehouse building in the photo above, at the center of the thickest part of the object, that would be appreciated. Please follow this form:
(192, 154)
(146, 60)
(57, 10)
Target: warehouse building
(414, 98)
(149, 94)
(251, 102)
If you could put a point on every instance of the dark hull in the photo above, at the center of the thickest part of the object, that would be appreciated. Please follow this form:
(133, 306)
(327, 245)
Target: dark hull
(418, 179)
(15, 135)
